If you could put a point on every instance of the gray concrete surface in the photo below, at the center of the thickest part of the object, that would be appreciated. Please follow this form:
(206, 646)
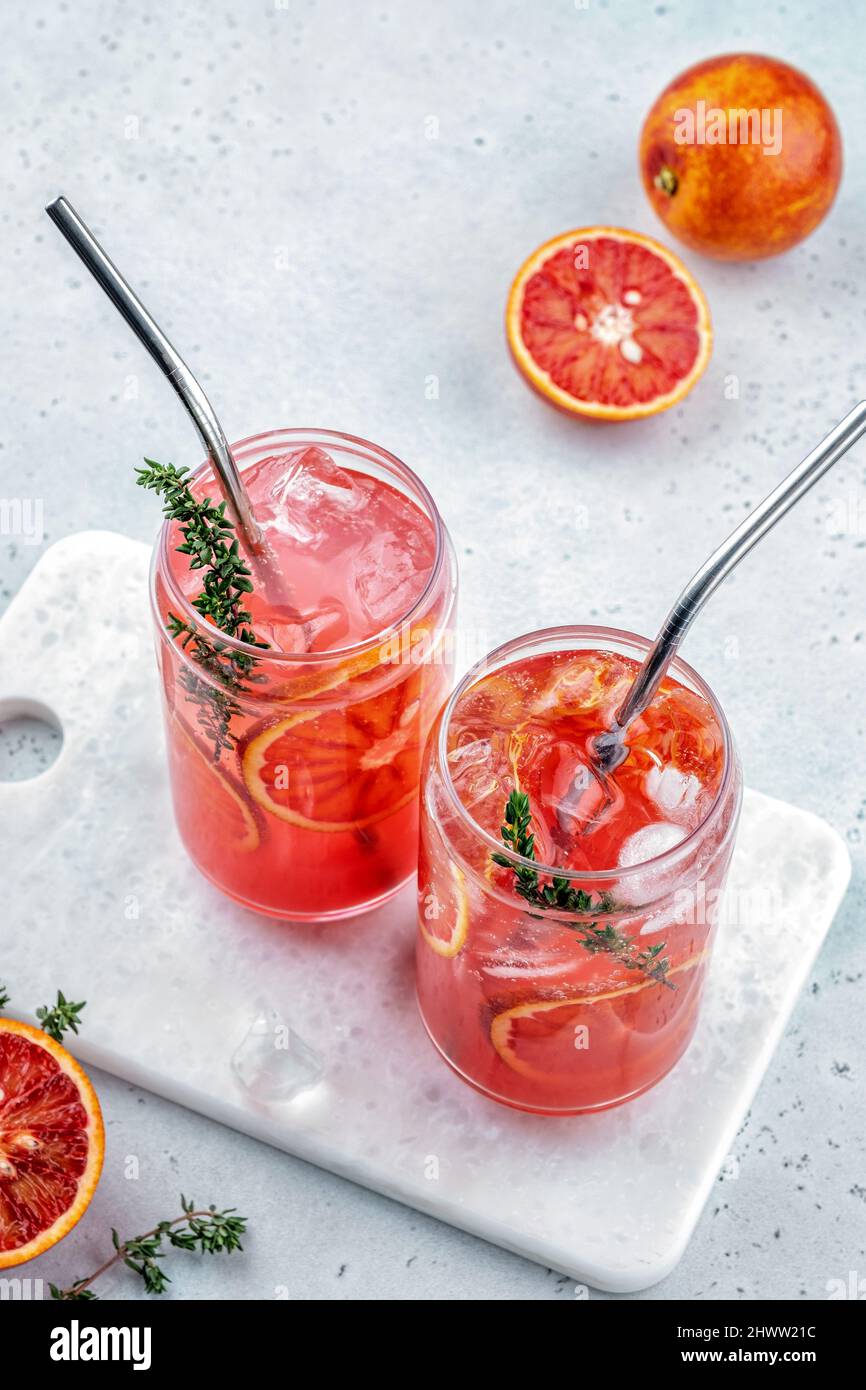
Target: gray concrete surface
(265, 174)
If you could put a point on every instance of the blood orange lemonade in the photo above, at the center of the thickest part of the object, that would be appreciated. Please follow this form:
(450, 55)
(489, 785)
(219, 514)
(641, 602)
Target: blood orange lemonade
(553, 1010)
(295, 782)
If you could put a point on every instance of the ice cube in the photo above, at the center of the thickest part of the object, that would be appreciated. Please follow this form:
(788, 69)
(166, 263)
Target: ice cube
(659, 921)
(645, 844)
(327, 626)
(674, 792)
(363, 542)
(312, 472)
(310, 492)
(313, 630)
(283, 635)
(387, 575)
(273, 1063)
(474, 771)
(649, 842)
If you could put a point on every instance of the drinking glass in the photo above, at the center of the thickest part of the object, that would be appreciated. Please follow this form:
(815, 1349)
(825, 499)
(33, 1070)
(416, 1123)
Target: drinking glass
(308, 807)
(511, 996)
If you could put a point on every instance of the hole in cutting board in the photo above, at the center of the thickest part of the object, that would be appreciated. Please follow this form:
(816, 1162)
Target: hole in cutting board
(31, 737)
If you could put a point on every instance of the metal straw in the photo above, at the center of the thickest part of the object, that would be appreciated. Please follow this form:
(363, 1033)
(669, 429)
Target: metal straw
(610, 748)
(199, 408)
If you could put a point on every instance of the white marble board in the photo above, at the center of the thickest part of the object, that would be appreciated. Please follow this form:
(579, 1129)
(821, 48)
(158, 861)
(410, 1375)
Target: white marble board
(100, 900)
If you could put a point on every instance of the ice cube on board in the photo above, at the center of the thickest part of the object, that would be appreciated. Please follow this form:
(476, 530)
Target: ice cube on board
(273, 1063)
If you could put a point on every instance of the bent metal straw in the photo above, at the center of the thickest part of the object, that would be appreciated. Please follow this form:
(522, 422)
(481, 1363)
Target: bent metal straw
(170, 362)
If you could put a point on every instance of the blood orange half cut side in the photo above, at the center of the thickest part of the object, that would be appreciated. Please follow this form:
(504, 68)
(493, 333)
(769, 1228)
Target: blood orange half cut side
(607, 323)
(51, 1142)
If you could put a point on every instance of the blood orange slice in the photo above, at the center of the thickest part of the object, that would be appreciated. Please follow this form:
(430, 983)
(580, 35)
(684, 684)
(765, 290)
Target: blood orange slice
(608, 323)
(339, 769)
(51, 1142)
(444, 925)
(540, 1039)
(421, 637)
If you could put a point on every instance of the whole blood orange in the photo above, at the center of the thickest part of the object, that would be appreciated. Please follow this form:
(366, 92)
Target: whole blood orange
(51, 1142)
(741, 156)
(607, 323)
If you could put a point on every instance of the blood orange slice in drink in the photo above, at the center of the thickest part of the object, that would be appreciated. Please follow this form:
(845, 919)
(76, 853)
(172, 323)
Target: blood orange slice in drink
(338, 769)
(444, 919)
(51, 1142)
(231, 818)
(608, 323)
(544, 1039)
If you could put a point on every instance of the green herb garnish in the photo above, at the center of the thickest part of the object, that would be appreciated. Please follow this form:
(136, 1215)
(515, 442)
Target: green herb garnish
(63, 1017)
(4, 998)
(559, 894)
(209, 1231)
(210, 542)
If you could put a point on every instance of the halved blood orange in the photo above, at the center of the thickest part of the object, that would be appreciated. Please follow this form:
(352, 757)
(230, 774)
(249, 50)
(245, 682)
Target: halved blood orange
(339, 768)
(231, 819)
(444, 925)
(607, 323)
(52, 1142)
(538, 1039)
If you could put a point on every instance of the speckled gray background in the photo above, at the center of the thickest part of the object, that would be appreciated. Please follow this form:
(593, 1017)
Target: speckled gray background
(264, 175)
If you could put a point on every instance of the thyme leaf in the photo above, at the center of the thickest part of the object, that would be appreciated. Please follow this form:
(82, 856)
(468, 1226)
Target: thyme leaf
(209, 1231)
(560, 894)
(210, 543)
(63, 1017)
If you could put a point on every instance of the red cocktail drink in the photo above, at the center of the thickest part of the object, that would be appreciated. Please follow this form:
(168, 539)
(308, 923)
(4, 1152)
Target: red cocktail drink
(569, 979)
(295, 766)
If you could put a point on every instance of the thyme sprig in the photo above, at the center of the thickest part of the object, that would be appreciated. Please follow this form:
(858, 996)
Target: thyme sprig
(235, 672)
(210, 543)
(63, 1017)
(209, 1231)
(560, 894)
(55, 1021)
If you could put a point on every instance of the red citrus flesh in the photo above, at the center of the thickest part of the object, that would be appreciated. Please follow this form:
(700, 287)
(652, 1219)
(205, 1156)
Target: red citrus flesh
(609, 324)
(51, 1142)
(339, 769)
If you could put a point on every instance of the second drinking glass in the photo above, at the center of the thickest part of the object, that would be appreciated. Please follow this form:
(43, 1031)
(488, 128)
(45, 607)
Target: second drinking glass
(564, 973)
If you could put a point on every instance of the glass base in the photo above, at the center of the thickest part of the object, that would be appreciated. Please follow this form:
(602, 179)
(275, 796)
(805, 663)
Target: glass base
(563, 1113)
(340, 914)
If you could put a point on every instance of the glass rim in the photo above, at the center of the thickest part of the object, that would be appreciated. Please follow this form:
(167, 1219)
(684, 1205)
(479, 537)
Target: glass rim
(241, 449)
(598, 633)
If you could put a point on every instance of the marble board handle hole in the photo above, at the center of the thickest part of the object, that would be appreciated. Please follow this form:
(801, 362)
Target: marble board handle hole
(31, 737)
